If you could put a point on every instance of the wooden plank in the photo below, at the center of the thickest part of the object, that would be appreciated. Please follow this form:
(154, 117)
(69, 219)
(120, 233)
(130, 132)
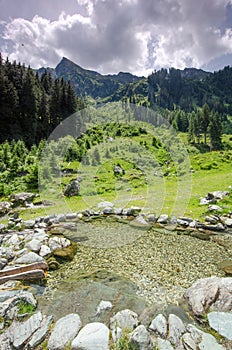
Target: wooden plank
(29, 275)
(16, 270)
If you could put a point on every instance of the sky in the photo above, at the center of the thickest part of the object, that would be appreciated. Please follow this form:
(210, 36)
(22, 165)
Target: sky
(109, 36)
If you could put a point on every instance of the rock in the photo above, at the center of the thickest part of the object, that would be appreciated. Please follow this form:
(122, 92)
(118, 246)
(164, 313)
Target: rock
(203, 340)
(6, 253)
(64, 332)
(140, 221)
(61, 218)
(140, 339)
(117, 334)
(4, 207)
(29, 258)
(41, 333)
(34, 245)
(151, 218)
(29, 223)
(94, 336)
(22, 331)
(102, 205)
(72, 189)
(118, 170)
(108, 210)
(218, 228)
(125, 319)
(103, 306)
(22, 198)
(228, 222)
(159, 325)
(189, 342)
(220, 194)
(221, 322)
(44, 250)
(182, 222)
(2, 227)
(58, 243)
(164, 344)
(212, 219)
(163, 219)
(227, 266)
(133, 211)
(212, 293)
(71, 216)
(214, 208)
(176, 329)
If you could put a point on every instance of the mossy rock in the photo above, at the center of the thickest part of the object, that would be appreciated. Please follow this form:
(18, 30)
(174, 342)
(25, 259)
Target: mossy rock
(66, 254)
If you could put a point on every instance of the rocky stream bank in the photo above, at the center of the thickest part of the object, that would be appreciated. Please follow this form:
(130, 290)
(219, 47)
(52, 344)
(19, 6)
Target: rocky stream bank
(117, 279)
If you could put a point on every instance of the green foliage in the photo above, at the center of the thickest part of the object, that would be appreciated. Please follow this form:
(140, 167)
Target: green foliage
(32, 106)
(25, 308)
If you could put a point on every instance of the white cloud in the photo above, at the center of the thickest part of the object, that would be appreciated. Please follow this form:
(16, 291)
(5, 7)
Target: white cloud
(124, 35)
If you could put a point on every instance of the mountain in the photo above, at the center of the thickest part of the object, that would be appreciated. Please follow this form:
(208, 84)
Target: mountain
(88, 82)
(163, 89)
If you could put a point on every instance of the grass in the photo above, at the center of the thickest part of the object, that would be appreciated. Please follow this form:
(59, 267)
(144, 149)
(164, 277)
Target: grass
(177, 193)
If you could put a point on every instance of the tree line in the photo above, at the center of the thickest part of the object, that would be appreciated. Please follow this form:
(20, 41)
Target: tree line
(31, 106)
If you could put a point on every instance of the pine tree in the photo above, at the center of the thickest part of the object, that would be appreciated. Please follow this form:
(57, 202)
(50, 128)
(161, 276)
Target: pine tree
(215, 132)
(205, 115)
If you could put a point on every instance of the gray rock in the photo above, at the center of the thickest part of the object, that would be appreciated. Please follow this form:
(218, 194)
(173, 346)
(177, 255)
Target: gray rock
(94, 336)
(44, 250)
(221, 322)
(133, 211)
(41, 333)
(176, 329)
(58, 243)
(214, 207)
(29, 223)
(125, 319)
(108, 210)
(203, 340)
(118, 170)
(228, 222)
(140, 221)
(117, 211)
(182, 222)
(6, 253)
(117, 334)
(103, 306)
(64, 332)
(61, 217)
(151, 218)
(159, 325)
(219, 227)
(2, 227)
(34, 245)
(72, 189)
(23, 331)
(141, 339)
(163, 219)
(4, 207)
(189, 342)
(212, 293)
(29, 258)
(220, 194)
(212, 219)
(102, 205)
(22, 198)
(164, 344)
(71, 216)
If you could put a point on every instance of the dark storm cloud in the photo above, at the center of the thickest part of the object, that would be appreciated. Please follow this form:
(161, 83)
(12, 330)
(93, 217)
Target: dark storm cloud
(109, 36)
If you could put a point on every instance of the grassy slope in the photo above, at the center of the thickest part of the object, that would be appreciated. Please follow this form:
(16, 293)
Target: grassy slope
(211, 172)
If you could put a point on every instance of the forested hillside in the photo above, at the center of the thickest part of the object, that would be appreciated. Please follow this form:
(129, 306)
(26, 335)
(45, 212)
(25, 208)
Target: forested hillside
(31, 106)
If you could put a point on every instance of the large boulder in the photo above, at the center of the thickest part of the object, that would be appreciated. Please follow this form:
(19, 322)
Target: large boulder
(140, 339)
(212, 293)
(221, 322)
(125, 319)
(72, 189)
(64, 332)
(94, 336)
